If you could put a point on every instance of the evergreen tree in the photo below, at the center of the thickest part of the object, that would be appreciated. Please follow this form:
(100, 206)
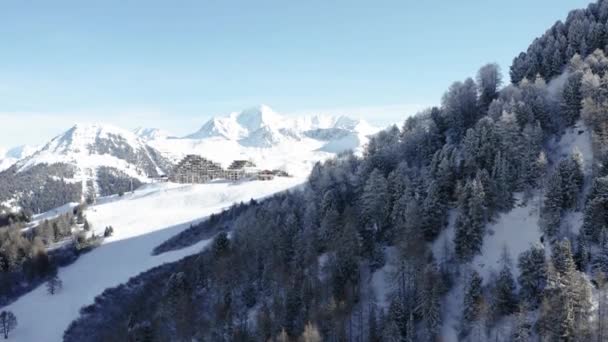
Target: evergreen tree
(178, 307)
(595, 219)
(533, 275)
(375, 199)
(523, 329)
(550, 216)
(54, 284)
(141, 332)
(489, 80)
(8, 322)
(470, 223)
(572, 99)
(434, 209)
(372, 326)
(505, 297)
(108, 231)
(473, 302)
(221, 244)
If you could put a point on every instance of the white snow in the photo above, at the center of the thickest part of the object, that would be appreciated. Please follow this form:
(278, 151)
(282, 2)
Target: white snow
(77, 147)
(11, 156)
(147, 134)
(517, 230)
(382, 279)
(576, 139)
(269, 139)
(141, 221)
(295, 157)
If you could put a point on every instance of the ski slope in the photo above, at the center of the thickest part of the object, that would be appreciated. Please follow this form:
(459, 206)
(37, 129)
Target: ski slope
(141, 221)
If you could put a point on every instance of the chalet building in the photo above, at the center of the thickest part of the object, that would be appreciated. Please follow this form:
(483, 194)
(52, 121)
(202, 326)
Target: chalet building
(196, 169)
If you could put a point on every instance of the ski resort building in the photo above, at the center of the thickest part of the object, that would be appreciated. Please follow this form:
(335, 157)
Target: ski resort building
(196, 169)
(240, 169)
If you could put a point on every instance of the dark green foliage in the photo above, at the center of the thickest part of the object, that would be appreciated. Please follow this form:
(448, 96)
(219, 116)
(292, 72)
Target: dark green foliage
(562, 193)
(112, 181)
(221, 244)
(473, 302)
(505, 295)
(596, 210)
(41, 188)
(533, 275)
(489, 80)
(470, 223)
(548, 55)
(108, 231)
(572, 99)
(8, 218)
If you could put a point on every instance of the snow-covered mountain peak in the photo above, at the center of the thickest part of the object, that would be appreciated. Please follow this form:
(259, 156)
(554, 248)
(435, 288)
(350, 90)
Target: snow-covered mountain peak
(89, 138)
(148, 134)
(90, 146)
(261, 126)
(20, 152)
(255, 118)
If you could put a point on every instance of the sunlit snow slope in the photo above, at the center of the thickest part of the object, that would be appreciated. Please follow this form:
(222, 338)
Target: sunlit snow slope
(141, 221)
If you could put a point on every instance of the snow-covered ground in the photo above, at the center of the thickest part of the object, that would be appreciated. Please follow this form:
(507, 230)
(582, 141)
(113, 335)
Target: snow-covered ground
(269, 139)
(13, 155)
(295, 157)
(141, 221)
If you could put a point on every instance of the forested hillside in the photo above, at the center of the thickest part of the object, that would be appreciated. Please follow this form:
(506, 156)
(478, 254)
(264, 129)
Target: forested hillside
(353, 256)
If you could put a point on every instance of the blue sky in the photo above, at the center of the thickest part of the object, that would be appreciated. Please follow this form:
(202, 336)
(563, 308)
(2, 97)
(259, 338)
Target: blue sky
(173, 64)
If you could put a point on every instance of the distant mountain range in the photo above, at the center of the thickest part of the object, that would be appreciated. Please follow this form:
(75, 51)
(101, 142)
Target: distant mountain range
(263, 127)
(266, 137)
(98, 159)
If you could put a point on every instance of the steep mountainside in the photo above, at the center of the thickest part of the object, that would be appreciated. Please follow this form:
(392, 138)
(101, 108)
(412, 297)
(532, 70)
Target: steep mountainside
(482, 219)
(85, 161)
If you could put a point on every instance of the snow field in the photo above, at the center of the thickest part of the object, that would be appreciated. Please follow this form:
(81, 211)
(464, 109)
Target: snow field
(141, 221)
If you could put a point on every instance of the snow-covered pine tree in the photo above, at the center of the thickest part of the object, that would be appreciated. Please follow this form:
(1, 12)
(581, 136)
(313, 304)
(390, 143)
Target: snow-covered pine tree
(533, 275)
(571, 171)
(522, 331)
(470, 222)
(504, 294)
(472, 304)
(375, 200)
(551, 212)
(489, 80)
(571, 100)
(434, 209)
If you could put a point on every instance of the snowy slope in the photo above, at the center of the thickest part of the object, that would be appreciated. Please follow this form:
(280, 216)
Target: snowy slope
(147, 134)
(516, 230)
(90, 147)
(11, 156)
(270, 139)
(141, 222)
